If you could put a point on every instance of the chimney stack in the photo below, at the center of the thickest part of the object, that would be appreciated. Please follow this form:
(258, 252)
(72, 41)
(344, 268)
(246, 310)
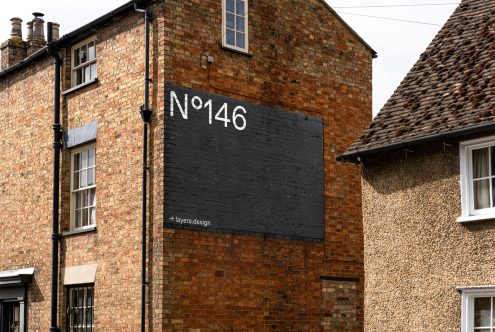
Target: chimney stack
(37, 40)
(14, 50)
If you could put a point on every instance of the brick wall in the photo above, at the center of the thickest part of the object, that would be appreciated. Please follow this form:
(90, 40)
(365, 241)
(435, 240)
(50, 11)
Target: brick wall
(302, 60)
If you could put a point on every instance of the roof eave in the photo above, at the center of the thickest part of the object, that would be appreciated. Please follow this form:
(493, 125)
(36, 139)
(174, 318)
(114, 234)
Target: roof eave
(356, 155)
(69, 38)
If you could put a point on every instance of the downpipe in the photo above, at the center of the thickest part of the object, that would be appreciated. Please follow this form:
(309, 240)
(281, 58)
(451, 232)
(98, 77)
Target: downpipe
(145, 113)
(57, 136)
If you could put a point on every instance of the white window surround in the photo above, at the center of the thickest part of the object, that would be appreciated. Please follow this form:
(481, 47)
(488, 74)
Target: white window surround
(467, 310)
(83, 62)
(240, 26)
(469, 213)
(83, 213)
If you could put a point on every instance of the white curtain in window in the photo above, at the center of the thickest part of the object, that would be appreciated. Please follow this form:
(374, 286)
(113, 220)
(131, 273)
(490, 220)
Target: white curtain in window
(481, 188)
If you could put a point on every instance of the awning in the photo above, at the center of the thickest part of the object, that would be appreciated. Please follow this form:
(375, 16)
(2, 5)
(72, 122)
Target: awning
(16, 277)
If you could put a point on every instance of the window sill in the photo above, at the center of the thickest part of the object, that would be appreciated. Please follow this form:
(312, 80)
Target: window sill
(482, 217)
(230, 49)
(79, 231)
(79, 87)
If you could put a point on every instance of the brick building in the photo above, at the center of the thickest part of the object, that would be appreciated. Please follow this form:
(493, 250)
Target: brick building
(428, 205)
(273, 244)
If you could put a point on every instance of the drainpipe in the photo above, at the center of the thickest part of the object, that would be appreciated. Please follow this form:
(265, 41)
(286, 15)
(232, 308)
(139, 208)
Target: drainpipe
(145, 116)
(57, 61)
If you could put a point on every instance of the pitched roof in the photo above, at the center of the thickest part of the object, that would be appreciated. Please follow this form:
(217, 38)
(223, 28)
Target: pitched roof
(449, 91)
(73, 36)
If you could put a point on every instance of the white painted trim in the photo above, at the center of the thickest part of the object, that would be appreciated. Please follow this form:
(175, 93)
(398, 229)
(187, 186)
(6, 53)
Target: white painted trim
(246, 28)
(467, 304)
(16, 273)
(72, 67)
(468, 213)
(72, 203)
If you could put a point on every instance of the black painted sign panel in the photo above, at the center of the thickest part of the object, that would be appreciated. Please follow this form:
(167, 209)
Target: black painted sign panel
(238, 167)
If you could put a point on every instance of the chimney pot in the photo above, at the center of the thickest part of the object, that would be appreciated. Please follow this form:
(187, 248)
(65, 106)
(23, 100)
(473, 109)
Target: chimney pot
(55, 31)
(38, 29)
(29, 31)
(16, 32)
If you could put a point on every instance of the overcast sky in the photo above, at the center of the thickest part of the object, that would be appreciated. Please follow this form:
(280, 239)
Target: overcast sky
(398, 44)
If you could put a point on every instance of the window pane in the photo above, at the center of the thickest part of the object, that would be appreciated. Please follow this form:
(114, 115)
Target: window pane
(230, 21)
(76, 181)
(91, 51)
(76, 162)
(79, 78)
(78, 200)
(87, 74)
(230, 37)
(482, 312)
(78, 219)
(84, 218)
(92, 216)
(84, 160)
(481, 193)
(76, 57)
(91, 176)
(82, 179)
(239, 24)
(84, 54)
(241, 40)
(93, 71)
(480, 163)
(239, 7)
(92, 197)
(230, 5)
(91, 156)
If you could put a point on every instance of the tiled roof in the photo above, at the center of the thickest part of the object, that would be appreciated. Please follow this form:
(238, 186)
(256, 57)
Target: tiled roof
(450, 88)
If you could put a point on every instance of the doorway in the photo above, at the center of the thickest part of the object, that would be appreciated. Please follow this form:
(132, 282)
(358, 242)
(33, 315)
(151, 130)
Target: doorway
(10, 316)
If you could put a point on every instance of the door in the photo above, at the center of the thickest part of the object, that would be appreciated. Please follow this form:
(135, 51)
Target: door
(10, 317)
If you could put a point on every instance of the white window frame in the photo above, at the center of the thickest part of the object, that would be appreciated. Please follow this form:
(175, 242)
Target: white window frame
(467, 309)
(466, 175)
(246, 27)
(74, 68)
(73, 192)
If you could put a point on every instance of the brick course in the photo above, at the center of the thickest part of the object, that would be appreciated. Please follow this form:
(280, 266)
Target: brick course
(302, 60)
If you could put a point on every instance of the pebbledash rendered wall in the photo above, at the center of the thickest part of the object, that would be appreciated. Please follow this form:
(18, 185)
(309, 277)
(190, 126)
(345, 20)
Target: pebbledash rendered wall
(302, 59)
(413, 242)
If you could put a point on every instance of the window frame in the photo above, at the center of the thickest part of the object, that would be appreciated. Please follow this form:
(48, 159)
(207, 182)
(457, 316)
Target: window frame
(73, 192)
(466, 178)
(467, 306)
(68, 308)
(74, 68)
(246, 27)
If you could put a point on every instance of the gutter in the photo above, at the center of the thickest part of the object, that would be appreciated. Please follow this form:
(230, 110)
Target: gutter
(355, 156)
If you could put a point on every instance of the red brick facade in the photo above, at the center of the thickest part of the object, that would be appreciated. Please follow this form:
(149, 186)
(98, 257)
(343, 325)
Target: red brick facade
(302, 59)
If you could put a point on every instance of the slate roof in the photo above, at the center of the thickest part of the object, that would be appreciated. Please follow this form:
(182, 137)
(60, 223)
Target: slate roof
(449, 90)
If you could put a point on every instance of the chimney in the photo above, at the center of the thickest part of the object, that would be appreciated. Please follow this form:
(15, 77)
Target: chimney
(14, 49)
(38, 36)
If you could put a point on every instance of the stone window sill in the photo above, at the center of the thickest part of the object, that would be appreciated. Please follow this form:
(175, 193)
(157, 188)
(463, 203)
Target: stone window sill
(463, 219)
(79, 87)
(79, 231)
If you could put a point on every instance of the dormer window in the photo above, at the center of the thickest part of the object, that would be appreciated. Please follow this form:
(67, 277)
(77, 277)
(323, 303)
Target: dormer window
(84, 62)
(235, 25)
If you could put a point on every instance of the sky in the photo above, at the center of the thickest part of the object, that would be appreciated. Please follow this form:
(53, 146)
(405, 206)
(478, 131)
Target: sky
(398, 44)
